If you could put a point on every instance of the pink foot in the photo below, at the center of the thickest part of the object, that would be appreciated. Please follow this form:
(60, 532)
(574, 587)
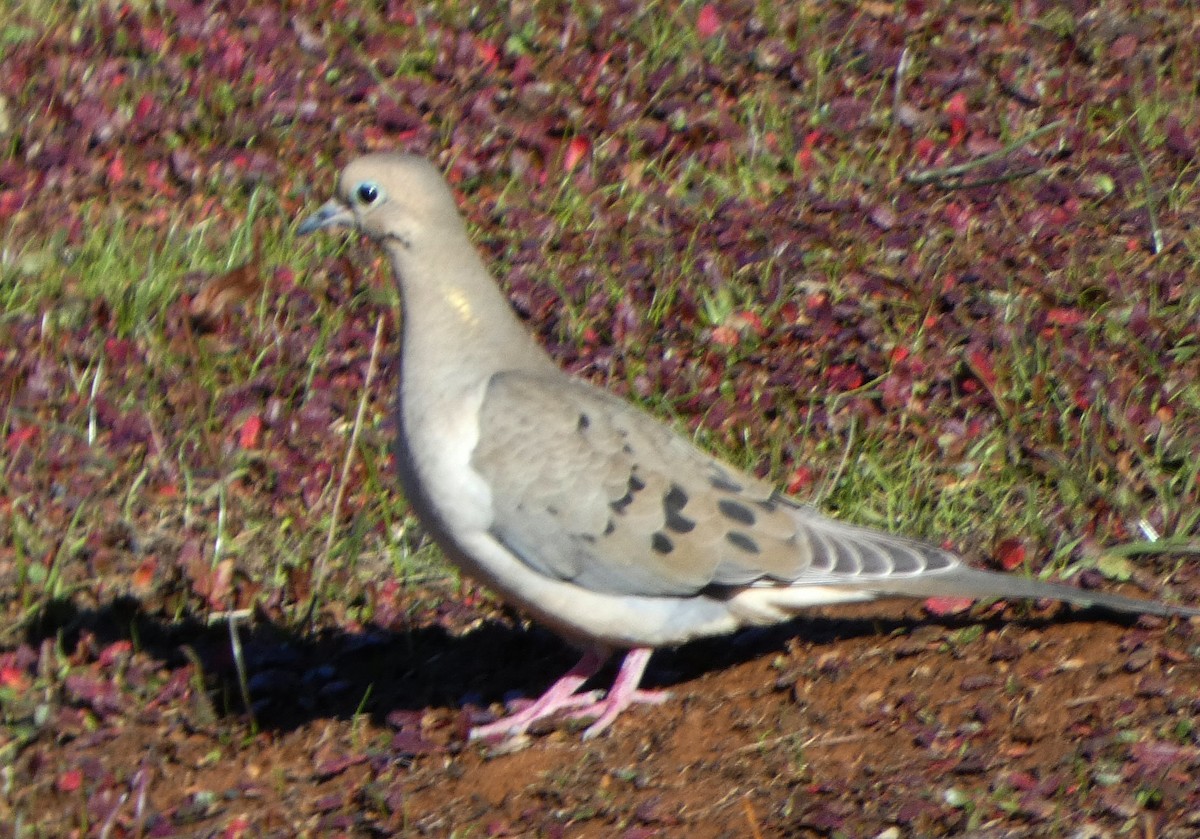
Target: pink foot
(562, 697)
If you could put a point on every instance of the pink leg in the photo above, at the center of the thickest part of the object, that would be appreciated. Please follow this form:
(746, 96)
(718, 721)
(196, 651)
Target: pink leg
(559, 696)
(624, 693)
(562, 697)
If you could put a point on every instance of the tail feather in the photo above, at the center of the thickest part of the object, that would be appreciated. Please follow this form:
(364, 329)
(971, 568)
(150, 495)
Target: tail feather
(961, 581)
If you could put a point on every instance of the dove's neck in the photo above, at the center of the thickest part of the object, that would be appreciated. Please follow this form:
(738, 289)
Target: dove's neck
(458, 328)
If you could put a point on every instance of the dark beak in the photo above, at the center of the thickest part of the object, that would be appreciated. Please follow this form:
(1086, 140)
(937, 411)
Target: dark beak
(333, 213)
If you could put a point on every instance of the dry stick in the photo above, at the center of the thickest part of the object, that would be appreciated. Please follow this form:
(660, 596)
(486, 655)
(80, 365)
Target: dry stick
(755, 831)
(323, 559)
(957, 171)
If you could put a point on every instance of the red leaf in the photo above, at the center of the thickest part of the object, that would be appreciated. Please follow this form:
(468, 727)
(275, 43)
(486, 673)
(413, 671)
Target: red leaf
(214, 585)
(748, 320)
(802, 478)
(14, 678)
(708, 22)
(588, 89)
(143, 577)
(957, 106)
(70, 780)
(1124, 47)
(1065, 317)
(945, 606)
(114, 651)
(251, 431)
(487, 52)
(576, 150)
(10, 202)
(844, 377)
(118, 350)
(726, 336)
(116, 170)
(1010, 553)
(981, 365)
(959, 216)
(924, 149)
(20, 437)
(236, 828)
(956, 109)
(144, 106)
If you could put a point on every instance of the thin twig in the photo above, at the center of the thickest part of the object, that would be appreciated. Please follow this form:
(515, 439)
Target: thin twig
(959, 170)
(1014, 175)
(815, 740)
(831, 484)
(323, 560)
(1156, 234)
(91, 432)
(898, 81)
(214, 618)
(1083, 700)
(239, 664)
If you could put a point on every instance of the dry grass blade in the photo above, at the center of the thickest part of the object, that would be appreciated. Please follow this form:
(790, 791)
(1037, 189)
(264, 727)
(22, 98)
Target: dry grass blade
(960, 170)
(322, 563)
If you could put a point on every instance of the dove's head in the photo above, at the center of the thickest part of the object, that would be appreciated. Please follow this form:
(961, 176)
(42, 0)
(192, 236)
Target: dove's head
(389, 197)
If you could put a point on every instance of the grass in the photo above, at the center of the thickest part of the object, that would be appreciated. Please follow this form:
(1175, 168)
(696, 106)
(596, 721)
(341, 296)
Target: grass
(891, 481)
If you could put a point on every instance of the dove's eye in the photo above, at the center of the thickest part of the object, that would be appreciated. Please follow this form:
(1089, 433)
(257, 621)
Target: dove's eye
(367, 193)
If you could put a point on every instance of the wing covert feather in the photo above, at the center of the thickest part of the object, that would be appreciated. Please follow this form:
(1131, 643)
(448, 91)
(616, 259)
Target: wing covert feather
(588, 488)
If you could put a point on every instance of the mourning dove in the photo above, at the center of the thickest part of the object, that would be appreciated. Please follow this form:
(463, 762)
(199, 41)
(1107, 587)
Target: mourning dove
(582, 509)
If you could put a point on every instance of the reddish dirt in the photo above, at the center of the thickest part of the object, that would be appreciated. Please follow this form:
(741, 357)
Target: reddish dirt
(848, 723)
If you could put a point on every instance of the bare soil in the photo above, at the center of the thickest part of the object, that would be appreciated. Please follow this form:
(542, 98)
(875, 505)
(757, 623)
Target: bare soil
(856, 721)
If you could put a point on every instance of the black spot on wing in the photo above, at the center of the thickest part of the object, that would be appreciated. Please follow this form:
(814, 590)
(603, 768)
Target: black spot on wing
(634, 486)
(736, 511)
(678, 523)
(661, 543)
(742, 542)
(673, 502)
(719, 480)
(621, 503)
(584, 422)
(675, 499)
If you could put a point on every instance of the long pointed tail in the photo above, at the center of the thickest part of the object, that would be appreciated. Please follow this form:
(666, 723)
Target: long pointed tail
(961, 581)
